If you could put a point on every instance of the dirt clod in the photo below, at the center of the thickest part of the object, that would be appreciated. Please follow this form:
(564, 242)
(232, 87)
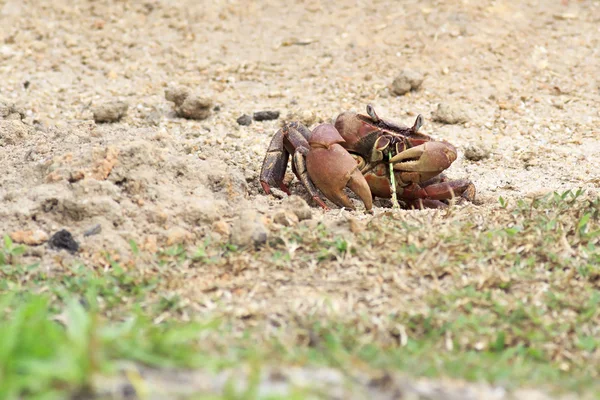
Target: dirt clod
(298, 206)
(195, 107)
(305, 117)
(177, 94)
(286, 218)
(266, 115)
(221, 227)
(111, 111)
(13, 132)
(178, 235)
(244, 120)
(31, 238)
(476, 152)
(449, 114)
(249, 229)
(187, 104)
(407, 81)
(11, 112)
(63, 240)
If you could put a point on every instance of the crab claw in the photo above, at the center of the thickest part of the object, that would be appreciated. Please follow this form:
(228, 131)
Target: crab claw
(331, 168)
(427, 159)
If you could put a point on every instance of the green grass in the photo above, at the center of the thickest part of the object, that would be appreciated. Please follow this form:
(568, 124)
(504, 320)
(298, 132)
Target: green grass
(511, 299)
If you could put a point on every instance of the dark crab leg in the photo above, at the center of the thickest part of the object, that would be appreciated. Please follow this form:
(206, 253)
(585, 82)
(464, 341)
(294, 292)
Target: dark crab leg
(275, 164)
(297, 135)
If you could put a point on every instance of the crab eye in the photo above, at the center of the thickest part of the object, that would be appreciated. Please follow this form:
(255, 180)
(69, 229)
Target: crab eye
(371, 112)
(418, 123)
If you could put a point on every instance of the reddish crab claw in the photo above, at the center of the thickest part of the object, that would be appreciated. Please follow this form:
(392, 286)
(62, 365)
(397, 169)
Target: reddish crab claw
(418, 161)
(318, 161)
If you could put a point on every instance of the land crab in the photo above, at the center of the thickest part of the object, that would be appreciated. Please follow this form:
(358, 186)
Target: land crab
(371, 156)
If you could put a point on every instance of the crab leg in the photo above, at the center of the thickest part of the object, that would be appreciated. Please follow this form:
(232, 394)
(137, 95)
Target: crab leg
(274, 164)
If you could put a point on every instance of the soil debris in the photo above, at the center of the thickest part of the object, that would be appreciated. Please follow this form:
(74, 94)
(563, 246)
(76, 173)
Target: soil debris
(408, 80)
(31, 238)
(249, 230)
(305, 117)
(244, 120)
(298, 206)
(109, 112)
(10, 111)
(189, 105)
(94, 230)
(476, 152)
(63, 240)
(285, 218)
(449, 114)
(13, 132)
(266, 115)
(221, 227)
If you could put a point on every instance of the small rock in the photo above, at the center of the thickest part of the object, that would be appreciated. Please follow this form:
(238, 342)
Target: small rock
(244, 120)
(449, 114)
(249, 229)
(266, 115)
(63, 240)
(110, 112)
(187, 104)
(406, 81)
(221, 227)
(298, 206)
(286, 218)
(31, 238)
(178, 235)
(476, 152)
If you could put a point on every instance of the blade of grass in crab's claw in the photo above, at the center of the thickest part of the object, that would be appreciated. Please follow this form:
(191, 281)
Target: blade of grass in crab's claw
(393, 183)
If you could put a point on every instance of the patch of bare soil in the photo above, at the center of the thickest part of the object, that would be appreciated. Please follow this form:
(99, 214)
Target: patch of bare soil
(522, 77)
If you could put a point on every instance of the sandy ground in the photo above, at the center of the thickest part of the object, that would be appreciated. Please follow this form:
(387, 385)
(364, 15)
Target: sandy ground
(525, 75)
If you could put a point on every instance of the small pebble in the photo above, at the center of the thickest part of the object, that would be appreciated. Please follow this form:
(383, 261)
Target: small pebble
(249, 230)
(449, 114)
(63, 240)
(244, 120)
(407, 81)
(476, 152)
(94, 230)
(266, 115)
(110, 112)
